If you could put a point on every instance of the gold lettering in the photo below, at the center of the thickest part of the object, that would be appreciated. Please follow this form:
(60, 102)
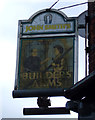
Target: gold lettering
(53, 26)
(39, 27)
(46, 27)
(52, 83)
(56, 75)
(35, 84)
(27, 28)
(49, 75)
(59, 83)
(68, 26)
(32, 75)
(68, 74)
(50, 27)
(25, 75)
(61, 26)
(32, 28)
(64, 25)
(58, 26)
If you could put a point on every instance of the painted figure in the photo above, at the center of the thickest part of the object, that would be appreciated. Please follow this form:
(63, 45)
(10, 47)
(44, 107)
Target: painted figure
(32, 63)
(58, 61)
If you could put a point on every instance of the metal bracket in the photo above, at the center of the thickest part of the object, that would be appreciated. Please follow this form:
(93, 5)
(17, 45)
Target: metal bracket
(47, 111)
(43, 103)
(87, 49)
(87, 19)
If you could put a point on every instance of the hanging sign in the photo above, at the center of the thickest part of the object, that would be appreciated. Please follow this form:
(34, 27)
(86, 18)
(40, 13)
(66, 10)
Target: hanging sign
(46, 44)
(46, 63)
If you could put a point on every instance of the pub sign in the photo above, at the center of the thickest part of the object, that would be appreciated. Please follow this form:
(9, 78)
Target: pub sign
(46, 51)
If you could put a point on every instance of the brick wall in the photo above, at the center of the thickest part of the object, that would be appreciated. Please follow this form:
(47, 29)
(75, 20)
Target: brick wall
(91, 14)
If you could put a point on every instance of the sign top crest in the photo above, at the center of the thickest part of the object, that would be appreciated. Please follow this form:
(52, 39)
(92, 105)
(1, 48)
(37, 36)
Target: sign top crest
(48, 21)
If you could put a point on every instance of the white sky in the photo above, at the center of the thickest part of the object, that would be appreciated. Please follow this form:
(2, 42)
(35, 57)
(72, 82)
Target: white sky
(10, 12)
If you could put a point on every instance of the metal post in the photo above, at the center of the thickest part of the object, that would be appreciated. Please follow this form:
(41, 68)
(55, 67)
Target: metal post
(85, 47)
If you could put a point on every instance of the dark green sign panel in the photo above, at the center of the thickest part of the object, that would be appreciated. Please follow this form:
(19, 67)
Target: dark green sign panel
(46, 63)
